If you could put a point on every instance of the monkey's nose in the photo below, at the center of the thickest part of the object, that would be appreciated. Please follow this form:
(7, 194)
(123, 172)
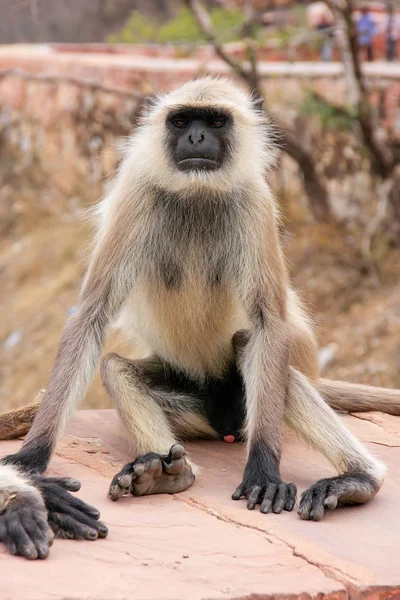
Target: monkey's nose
(196, 139)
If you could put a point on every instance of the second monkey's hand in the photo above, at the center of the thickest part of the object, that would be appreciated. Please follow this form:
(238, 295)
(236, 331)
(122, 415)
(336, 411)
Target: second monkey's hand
(68, 516)
(262, 485)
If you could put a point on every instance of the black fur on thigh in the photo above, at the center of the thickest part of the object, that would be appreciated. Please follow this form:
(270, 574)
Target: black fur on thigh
(221, 401)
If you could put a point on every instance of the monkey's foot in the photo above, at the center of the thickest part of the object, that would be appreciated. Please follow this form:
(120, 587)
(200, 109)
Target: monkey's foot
(154, 474)
(23, 523)
(275, 496)
(351, 488)
(69, 517)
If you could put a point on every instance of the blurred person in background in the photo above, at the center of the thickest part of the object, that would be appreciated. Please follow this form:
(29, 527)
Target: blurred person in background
(321, 19)
(366, 30)
(325, 27)
(392, 31)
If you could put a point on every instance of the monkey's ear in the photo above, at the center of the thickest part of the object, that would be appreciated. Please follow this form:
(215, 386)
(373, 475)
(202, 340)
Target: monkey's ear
(144, 106)
(151, 101)
(258, 103)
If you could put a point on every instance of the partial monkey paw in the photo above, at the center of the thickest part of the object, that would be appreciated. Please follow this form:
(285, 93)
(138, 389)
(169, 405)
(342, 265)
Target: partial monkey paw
(23, 523)
(273, 496)
(154, 474)
(327, 494)
(69, 517)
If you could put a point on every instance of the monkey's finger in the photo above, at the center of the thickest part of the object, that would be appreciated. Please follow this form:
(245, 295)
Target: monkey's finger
(138, 469)
(23, 544)
(43, 524)
(318, 505)
(280, 498)
(154, 469)
(239, 492)
(6, 538)
(40, 536)
(177, 451)
(125, 481)
(291, 497)
(116, 492)
(174, 467)
(83, 519)
(254, 496)
(269, 496)
(331, 502)
(68, 483)
(306, 504)
(57, 497)
(65, 526)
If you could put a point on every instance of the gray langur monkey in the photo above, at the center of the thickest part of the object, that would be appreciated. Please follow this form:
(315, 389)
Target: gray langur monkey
(187, 258)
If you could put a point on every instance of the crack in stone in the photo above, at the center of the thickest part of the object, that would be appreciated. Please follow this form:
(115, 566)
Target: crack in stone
(331, 573)
(386, 445)
(380, 426)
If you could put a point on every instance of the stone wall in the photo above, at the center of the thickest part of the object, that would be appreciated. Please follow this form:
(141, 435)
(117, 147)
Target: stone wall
(59, 138)
(58, 145)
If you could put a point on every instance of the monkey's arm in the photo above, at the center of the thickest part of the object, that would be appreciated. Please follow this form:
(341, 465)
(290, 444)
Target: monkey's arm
(24, 493)
(265, 368)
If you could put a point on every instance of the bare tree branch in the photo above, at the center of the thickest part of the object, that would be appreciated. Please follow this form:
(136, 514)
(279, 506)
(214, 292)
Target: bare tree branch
(248, 73)
(203, 19)
(82, 83)
(382, 159)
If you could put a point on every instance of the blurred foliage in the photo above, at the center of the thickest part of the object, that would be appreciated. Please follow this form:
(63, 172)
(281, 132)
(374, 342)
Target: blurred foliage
(182, 28)
(331, 117)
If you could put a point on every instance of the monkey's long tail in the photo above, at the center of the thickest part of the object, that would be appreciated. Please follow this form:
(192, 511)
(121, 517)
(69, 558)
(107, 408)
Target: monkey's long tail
(354, 397)
(18, 422)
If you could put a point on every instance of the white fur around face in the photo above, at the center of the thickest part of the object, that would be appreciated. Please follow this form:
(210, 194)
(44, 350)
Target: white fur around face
(251, 129)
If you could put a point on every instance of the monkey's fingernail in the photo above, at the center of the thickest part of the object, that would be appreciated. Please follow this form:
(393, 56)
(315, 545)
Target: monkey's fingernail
(43, 551)
(29, 552)
(103, 531)
(91, 534)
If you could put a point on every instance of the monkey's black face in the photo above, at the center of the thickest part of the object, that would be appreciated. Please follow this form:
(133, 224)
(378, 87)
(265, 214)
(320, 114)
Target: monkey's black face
(198, 138)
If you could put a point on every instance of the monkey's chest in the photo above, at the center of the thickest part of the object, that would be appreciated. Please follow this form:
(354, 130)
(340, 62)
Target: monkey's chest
(190, 325)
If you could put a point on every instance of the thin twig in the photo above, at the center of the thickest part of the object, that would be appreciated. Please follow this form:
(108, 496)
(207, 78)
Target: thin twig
(382, 159)
(203, 19)
(82, 83)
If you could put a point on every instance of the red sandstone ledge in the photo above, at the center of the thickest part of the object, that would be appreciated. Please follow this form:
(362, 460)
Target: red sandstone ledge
(202, 545)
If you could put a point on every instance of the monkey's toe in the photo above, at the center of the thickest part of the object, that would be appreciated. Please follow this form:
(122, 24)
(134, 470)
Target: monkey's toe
(154, 474)
(327, 494)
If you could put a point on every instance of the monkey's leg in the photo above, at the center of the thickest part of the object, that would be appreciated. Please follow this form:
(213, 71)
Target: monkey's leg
(361, 474)
(155, 412)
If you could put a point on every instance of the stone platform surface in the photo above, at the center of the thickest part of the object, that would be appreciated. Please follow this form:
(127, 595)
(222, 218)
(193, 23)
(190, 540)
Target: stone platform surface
(200, 545)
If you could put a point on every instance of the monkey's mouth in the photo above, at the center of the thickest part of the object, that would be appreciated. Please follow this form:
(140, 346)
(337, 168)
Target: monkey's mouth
(197, 164)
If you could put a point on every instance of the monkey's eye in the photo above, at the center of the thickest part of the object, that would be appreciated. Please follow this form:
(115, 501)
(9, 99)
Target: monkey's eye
(180, 122)
(217, 121)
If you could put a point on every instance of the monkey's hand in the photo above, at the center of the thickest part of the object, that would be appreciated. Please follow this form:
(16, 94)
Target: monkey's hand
(327, 494)
(262, 485)
(23, 523)
(68, 516)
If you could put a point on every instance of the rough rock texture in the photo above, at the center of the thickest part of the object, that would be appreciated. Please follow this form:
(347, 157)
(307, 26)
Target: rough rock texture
(202, 545)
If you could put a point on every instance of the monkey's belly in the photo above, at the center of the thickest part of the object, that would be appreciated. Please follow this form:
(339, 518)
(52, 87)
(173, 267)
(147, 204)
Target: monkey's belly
(192, 328)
